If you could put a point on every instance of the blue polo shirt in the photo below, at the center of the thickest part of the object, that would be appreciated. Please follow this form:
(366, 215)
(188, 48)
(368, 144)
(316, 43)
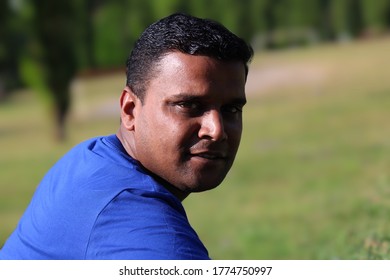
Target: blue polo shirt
(98, 203)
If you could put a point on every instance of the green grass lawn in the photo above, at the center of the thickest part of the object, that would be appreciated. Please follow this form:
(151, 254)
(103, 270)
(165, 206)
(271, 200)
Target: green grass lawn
(311, 180)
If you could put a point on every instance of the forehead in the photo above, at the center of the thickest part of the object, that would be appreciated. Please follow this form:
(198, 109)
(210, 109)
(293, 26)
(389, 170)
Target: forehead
(183, 73)
(198, 64)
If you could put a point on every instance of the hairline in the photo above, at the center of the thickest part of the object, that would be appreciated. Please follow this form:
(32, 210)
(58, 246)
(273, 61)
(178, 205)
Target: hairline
(154, 69)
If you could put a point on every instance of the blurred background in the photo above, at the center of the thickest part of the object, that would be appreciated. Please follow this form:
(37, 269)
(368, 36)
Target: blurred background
(311, 180)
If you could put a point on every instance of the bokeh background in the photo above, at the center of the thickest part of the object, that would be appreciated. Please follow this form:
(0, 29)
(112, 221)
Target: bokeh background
(311, 180)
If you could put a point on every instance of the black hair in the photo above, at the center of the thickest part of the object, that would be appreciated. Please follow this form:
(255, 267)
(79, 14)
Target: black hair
(186, 34)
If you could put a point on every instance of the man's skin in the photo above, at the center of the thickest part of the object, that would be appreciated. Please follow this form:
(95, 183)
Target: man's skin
(187, 129)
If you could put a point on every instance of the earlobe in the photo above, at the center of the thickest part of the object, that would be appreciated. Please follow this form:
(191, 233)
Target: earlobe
(128, 103)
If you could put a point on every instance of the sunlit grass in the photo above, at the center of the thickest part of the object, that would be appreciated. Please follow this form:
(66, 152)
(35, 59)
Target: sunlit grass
(311, 180)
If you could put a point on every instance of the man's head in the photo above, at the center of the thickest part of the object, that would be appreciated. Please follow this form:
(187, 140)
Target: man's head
(185, 34)
(181, 110)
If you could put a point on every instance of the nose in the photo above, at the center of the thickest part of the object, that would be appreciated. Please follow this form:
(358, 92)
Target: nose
(212, 126)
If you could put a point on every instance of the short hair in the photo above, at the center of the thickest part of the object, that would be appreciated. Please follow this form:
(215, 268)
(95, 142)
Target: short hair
(186, 34)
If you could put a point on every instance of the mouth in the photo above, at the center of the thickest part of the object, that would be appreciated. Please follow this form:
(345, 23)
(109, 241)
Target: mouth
(210, 155)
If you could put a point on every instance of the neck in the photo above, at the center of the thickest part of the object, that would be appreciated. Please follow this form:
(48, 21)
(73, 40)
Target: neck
(179, 194)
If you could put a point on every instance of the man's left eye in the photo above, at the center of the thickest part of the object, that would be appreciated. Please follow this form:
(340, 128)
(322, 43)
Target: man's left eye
(233, 109)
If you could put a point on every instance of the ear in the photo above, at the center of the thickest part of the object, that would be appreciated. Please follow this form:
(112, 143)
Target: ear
(128, 103)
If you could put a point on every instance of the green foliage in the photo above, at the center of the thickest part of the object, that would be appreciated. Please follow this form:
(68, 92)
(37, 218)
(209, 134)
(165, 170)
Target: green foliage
(266, 23)
(103, 32)
(376, 15)
(33, 75)
(109, 22)
(14, 29)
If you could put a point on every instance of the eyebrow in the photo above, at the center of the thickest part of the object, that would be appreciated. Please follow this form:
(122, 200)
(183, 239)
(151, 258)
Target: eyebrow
(193, 97)
(185, 96)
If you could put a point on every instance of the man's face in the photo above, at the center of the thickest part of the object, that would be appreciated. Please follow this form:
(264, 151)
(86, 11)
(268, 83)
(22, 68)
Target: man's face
(188, 128)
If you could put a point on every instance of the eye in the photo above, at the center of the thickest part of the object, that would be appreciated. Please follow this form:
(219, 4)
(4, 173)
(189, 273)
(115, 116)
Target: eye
(189, 108)
(189, 105)
(232, 109)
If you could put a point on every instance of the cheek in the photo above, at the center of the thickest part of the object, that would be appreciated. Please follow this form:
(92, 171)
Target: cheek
(234, 132)
(177, 131)
(179, 136)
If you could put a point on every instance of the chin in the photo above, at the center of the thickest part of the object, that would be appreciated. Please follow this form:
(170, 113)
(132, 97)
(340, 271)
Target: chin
(205, 186)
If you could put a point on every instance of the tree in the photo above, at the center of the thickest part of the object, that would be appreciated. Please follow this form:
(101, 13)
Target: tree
(54, 24)
(12, 36)
(3, 46)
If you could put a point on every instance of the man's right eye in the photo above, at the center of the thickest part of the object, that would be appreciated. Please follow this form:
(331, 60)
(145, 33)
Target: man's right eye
(189, 105)
(189, 108)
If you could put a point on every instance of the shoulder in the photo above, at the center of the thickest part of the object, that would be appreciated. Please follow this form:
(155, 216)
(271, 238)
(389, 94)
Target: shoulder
(144, 225)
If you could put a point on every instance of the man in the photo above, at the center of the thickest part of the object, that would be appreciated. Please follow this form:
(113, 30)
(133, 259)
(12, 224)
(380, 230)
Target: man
(119, 196)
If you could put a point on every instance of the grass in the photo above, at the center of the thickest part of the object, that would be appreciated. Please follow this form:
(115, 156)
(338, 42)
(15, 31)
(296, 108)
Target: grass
(311, 180)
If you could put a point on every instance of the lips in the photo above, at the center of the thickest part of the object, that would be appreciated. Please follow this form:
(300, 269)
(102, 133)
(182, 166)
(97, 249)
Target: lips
(210, 155)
